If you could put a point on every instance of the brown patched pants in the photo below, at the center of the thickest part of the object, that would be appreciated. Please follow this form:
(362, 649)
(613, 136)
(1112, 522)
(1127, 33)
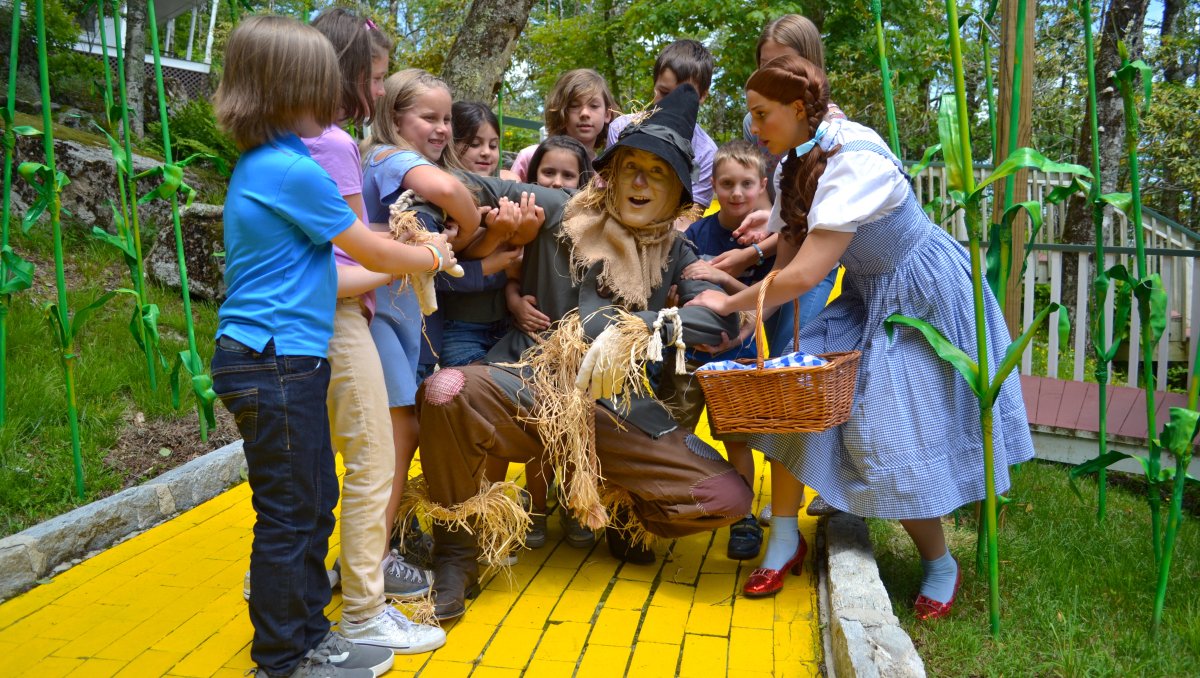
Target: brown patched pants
(468, 413)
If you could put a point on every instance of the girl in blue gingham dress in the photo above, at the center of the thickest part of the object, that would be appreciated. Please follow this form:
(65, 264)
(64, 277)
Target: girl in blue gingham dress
(912, 448)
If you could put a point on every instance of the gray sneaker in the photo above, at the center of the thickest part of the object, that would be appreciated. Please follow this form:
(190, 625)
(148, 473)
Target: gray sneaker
(575, 534)
(313, 668)
(404, 580)
(349, 658)
(535, 537)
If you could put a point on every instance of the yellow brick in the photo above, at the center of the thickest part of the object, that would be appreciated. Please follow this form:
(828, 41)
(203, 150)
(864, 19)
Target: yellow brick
(737, 673)
(656, 660)
(797, 670)
(17, 658)
(703, 656)
(796, 601)
(562, 642)
(96, 638)
(641, 572)
(753, 613)
(715, 589)
(510, 648)
(446, 669)
(541, 668)
(494, 672)
(673, 595)
(628, 595)
(71, 624)
(602, 661)
(594, 575)
(97, 668)
(686, 557)
(565, 556)
(576, 606)
(149, 663)
(663, 625)
(519, 577)
(193, 632)
(410, 663)
(751, 650)
(491, 607)
(215, 652)
(710, 620)
(718, 562)
(242, 659)
(465, 642)
(615, 627)
(57, 666)
(796, 642)
(551, 581)
(531, 611)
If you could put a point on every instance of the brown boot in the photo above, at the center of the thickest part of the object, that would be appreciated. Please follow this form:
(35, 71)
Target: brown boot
(455, 571)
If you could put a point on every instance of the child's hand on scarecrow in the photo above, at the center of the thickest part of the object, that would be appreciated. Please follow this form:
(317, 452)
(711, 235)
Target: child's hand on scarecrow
(753, 228)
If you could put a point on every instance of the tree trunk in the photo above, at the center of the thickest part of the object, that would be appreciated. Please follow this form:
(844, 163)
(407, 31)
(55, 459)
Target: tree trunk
(482, 49)
(135, 64)
(1122, 22)
(1008, 38)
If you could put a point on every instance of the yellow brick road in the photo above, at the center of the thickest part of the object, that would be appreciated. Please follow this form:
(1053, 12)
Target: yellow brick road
(168, 602)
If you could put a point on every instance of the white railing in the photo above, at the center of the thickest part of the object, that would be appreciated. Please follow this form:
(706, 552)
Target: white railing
(1171, 253)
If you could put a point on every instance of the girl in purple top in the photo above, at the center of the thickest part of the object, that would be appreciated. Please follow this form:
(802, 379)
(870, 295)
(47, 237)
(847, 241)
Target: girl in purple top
(358, 413)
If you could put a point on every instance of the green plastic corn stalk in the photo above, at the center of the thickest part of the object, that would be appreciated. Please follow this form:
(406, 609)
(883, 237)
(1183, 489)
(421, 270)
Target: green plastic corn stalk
(886, 77)
(143, 324)
(171, 174)
(954, 131)
(49, 183)
(16, 273)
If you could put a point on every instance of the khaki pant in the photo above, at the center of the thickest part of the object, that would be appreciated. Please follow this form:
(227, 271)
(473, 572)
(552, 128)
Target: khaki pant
(362, 431)
(468, 413)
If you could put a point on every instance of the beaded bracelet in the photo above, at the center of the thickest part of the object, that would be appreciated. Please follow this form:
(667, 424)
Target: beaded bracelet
(437, 257)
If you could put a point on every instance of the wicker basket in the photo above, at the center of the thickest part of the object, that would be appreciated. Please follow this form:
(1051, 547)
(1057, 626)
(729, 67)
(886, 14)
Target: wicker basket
(780, 399)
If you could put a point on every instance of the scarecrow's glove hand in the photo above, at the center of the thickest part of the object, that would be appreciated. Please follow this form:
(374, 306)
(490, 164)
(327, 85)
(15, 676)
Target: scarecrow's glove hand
(601, 370)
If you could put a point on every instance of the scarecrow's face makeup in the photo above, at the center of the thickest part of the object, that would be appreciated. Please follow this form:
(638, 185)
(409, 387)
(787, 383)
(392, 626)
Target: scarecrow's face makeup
(646, 188)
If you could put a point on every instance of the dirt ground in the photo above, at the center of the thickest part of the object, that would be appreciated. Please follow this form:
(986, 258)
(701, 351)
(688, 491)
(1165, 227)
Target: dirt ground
(148, 448)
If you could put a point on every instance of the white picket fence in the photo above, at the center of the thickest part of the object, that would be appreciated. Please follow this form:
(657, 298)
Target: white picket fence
(1171, 252)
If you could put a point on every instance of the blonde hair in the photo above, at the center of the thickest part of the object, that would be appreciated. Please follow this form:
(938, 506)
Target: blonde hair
(797, 32)
(581, 83)
(743, 153)
(400, 93)
(277, 71)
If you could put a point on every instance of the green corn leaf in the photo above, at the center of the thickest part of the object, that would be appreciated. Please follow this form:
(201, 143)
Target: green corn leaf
(1064, 326)
(216, 161)
(134, 320)
(54, 318)
(172, 179)
(1122, 307)
(114, 240)
(18, 273)
(1179, 431)
(1120, 201)
(46, 182)
(926, 159)
(27, 131)
(202, 387)
(1152, 305)
(942, 346)
(1061, 193)
(1126, 74)
(1101, 462)
(999, 254)
(201, 384)
(81, 316)
(120, 157)
(1026, 158)
(1012, 355)
(950, 136)
(150, 315)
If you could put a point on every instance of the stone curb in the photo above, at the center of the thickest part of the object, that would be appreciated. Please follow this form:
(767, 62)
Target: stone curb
(45, 548)
(863, 638)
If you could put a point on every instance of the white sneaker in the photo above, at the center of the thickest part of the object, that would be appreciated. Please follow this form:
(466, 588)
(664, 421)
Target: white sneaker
(392, 630)
(334, 579)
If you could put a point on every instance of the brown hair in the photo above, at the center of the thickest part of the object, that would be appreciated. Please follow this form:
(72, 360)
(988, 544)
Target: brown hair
(580, 83)
(797, 32)
(690, 61)
(787, 79)
(277, 70)
(351, 38)
(743, 153)
(400, 93)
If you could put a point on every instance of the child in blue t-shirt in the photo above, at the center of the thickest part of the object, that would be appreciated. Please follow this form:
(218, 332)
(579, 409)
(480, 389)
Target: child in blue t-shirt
(739, 177)
(282, 213)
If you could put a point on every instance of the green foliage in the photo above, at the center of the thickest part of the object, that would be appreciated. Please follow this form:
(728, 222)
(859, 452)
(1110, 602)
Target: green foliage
(194, 130)
(61, 30)
(78, 81)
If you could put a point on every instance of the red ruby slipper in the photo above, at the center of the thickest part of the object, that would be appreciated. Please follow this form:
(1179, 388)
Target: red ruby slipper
(928, 608)
(763, 582)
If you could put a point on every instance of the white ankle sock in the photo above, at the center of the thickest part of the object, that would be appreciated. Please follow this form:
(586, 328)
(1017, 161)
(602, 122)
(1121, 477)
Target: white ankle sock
(782, 542)
(940, 575)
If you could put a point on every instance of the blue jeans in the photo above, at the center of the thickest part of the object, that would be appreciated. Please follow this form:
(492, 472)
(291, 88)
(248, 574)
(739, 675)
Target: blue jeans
(279, 405)
(780, 327)
(464, 342)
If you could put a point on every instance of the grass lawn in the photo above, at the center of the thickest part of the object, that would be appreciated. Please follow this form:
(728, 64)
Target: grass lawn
(1076, 597)
(129, 432)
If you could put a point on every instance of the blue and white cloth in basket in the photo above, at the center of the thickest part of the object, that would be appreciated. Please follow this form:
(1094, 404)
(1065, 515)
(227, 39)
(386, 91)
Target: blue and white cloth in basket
(796, 359)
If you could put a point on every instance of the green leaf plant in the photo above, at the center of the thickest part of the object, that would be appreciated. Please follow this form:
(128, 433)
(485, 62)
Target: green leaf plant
(169, 188)
(954, 135)
(16, 274)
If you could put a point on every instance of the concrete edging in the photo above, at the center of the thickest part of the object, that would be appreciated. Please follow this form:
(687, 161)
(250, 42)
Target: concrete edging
(862, 637)
(45, 548)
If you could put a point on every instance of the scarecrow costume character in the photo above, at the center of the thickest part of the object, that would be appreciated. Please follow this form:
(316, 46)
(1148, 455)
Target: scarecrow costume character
(601, 269)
